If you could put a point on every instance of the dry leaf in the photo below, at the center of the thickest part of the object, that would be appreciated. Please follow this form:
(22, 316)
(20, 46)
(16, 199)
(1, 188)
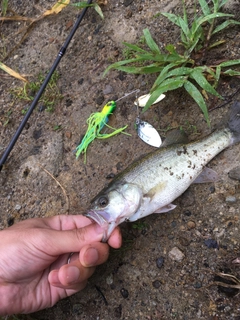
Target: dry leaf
(12, 72)
(102, 2)
(57, 7)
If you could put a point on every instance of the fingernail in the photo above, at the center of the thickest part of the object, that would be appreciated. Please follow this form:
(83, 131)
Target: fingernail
(91, 257)
(73, 274)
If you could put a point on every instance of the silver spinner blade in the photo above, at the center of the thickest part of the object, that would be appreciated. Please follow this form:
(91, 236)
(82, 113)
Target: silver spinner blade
(148, 133)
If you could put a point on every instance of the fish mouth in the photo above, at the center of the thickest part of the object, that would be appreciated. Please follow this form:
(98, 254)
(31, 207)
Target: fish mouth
(102, 218)
(98, 217)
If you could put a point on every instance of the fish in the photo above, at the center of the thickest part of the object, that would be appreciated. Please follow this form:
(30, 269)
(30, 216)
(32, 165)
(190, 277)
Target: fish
(151, 183)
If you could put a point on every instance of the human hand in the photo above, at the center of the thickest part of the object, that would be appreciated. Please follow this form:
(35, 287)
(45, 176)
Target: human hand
(34, 256)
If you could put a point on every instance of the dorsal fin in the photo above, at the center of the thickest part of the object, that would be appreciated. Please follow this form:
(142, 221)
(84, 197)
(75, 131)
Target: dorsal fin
(175, 136)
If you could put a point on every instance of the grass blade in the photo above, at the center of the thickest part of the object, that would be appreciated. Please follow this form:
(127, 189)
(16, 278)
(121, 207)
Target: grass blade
(224, 25)
(150, 42)
(12, 72)
(203, 83)
(167, 85)
(229, 63)
(205, 8)
(231, 72)
(197, 96)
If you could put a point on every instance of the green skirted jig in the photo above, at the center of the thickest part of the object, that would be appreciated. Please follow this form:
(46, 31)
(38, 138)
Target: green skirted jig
(96, 122)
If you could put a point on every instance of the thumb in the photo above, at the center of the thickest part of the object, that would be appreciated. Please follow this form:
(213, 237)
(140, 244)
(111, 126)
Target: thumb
(58, 242)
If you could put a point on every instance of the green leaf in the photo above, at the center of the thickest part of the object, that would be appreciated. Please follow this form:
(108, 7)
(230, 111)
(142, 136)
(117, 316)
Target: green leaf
(201, 20)
(229, 63)
(224, 25)
(197, 96)
(163, 75)
(141, 70)
(205, 8)
(98, 10)
(116, 65)
(172, 17)
(184, 27)
(202, 82)
(167, 85)
(150, 42)
(133, 47)
(231, 72)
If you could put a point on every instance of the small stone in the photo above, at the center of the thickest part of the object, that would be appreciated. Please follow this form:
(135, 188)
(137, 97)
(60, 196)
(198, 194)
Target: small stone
(68, 134)
(231, 199)
(197, 285)
(109, 279)
(108, 89)
(10, 221)
(156, 284)
(176, 254)
(211, 244)
(160, 262)
(110, 175)
(124, 293)
(212, 189)
(234, 173)
(99, 100)
(18, 207)
(187, 213)
(191, 224)
(184, 241)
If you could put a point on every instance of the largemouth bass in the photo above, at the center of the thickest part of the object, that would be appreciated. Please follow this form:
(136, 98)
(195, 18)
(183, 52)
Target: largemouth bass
(152, 183)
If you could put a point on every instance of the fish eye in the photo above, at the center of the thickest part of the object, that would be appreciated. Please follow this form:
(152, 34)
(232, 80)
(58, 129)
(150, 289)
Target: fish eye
(103, 201)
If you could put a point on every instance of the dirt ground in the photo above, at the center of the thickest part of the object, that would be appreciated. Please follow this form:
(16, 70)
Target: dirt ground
(142, 280)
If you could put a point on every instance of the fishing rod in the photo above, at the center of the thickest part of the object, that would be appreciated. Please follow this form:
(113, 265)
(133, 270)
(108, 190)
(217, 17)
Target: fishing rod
(42, 88)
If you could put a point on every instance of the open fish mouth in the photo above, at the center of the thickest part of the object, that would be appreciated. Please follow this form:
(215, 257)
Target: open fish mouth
(102, 218)
(98, 217)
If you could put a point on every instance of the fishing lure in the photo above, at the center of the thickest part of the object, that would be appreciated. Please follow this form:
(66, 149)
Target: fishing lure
(96, 122)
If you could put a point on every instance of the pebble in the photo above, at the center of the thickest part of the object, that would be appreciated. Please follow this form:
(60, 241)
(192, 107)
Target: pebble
(191, 224)
(197, 285)
(231, 199)
(187, 213)
(68, 134)
(160, 262)
(108, 89)
(124, 293)
(176, 254)
(211, 243)
(109, 279)
(18, 207)
(234, 173)
(156, 284)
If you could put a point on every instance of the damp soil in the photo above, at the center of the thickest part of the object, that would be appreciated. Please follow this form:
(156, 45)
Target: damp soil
(167, 265)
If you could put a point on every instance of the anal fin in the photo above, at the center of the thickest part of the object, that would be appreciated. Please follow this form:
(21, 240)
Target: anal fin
(166, 208)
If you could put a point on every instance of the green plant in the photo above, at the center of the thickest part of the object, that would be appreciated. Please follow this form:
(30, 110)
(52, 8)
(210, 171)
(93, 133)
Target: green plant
(50, 96)
(183, 69)
(4, 7)
(84, 4)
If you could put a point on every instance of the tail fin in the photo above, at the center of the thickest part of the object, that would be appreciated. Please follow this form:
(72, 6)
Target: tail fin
(234, 121)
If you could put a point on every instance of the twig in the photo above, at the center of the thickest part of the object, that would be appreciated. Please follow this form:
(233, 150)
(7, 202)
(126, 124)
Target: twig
(63, 190)
(102, 295)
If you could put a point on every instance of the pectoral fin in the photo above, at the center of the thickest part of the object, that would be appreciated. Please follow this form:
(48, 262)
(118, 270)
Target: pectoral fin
(207, 175)
(166, 208)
